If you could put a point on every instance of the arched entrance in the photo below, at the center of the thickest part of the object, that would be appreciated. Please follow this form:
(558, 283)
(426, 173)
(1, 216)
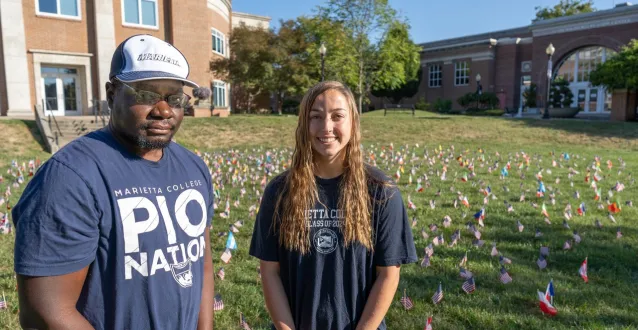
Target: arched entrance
(575, 68)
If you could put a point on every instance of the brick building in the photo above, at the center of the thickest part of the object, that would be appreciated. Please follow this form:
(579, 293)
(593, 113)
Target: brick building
(509, 61)
(58, 52)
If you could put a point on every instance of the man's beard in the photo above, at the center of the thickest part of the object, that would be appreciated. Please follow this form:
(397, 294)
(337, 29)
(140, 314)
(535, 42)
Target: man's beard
(143, 142)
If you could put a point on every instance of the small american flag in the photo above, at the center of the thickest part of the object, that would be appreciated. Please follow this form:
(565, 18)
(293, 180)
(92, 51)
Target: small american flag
(505, 276)
(429, 250)
(464, 273)
(426, 261)
(424, 234)
(464, 260)
(221, 273)
(494, 250)
(226, 256)
(3, 302)
(519, 226)
(541, 262)
(242, 322)
(469, 286)
(504, 260)
(218, 303)
(544, 250)
(438, 295)
(618, 233)
(406, 301)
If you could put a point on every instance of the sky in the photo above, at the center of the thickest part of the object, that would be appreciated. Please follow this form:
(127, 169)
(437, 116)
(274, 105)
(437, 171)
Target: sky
(430, 20)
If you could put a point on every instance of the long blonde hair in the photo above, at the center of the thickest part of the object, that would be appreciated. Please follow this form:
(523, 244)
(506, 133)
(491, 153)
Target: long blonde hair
(300, 189)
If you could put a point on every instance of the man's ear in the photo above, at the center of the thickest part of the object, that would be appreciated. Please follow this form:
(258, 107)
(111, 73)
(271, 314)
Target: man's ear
(110, 93)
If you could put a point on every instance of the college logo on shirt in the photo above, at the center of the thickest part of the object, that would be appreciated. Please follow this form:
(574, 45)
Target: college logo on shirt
(325, 240)
(182, 273)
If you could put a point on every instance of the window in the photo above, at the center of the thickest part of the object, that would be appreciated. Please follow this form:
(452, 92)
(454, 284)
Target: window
(435, 75)
(62, 8)
(461, 74)
(219, 94)
(219, 42)
(140, 12)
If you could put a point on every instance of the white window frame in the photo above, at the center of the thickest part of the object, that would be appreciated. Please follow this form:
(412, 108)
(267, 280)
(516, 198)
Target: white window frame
(438, 79)
(462, 66)
(139, 14)
(220, 84)
(58, 15)
(216, 33)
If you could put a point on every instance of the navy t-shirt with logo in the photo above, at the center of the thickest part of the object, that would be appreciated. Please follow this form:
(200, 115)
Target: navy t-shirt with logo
(139, 226)
(329, 287)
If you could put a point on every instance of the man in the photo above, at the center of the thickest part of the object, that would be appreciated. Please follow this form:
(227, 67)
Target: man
(113, 231)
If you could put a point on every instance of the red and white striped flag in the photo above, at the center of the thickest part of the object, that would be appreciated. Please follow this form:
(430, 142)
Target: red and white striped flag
(469, 285)
(3, 302)
(438, 295)
(583, 271)
(406, 301)
(505, 276)
(218, 303)
(221, 273)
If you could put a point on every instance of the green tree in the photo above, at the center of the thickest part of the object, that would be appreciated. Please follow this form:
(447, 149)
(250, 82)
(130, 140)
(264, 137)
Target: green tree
(360, 20)
(565, 8)
(396, 73)
(340, 62)
(620, 71)
(249, 64)
(292, 72)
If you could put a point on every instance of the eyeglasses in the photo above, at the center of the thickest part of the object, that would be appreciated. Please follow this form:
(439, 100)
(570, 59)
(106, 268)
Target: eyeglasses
(150, 98)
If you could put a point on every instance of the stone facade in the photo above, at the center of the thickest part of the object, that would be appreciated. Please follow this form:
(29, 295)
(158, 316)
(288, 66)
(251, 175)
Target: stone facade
(81, 44)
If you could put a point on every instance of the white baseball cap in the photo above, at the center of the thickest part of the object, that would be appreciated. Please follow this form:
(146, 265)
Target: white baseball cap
(144, 57)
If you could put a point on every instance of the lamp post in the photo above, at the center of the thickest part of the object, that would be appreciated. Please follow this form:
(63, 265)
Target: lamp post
(549, 51)
(479, 89)
(322, 51)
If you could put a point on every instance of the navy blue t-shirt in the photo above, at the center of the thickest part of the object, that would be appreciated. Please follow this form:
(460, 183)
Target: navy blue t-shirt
(139, 226)
(329, 287)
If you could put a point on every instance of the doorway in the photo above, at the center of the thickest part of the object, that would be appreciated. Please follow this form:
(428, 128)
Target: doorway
(61, 86)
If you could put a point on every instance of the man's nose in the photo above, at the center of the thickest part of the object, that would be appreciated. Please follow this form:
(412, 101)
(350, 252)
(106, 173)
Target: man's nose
(162, 109)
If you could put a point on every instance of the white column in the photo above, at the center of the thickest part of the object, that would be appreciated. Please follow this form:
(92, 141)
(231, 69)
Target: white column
(15, 59)
(105, 44)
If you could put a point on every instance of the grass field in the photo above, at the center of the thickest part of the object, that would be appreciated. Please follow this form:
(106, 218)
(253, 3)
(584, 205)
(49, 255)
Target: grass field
(608, 301)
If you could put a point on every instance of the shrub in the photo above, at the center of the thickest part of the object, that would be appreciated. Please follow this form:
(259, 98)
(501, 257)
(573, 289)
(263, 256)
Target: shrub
(442, 106)
(485, 112)
(530, 95)
(560, 95)
(421, 104)
(290, 106)
(487, 100)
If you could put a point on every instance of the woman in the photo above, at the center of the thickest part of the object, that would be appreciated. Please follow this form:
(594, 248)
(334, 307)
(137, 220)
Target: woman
(331, 232)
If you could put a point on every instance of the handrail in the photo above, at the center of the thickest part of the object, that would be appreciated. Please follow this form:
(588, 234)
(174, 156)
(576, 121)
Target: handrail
(51, 115)
(100, 114)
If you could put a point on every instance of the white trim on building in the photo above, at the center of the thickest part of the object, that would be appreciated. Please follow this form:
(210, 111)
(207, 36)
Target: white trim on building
(58, 14)
(220, 46)
(222, 7)
(79, 61)
(140, 17)
(220, 94)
